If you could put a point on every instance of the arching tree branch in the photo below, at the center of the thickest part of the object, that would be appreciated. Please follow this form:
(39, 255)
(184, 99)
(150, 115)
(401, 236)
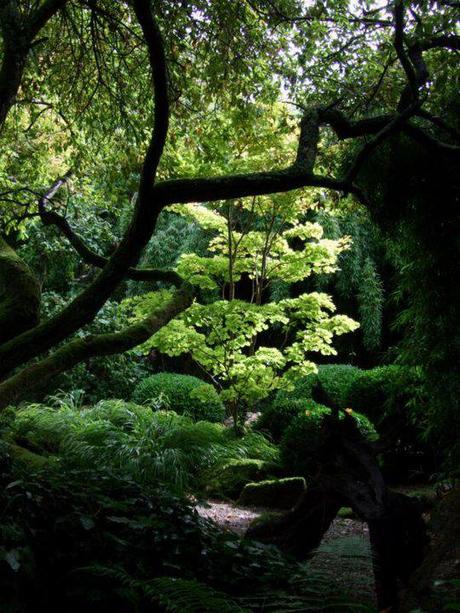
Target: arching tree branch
(441, 42)
(43, 14)
(88, 255)
(99, 261)
(76, 351)
(84, 307)
(238, 186)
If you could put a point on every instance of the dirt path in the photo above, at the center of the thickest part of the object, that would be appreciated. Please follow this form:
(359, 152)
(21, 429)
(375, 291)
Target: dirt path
(229, 516)
(344, 553)
(238, 519)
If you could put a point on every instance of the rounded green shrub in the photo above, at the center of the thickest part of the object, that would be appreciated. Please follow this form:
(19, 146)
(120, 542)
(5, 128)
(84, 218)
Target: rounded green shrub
(303, 444)
(184, 394)
(329, 386)
(335, 381)
(276, 417)
(375, 391)
(392, 397)
(303, 388)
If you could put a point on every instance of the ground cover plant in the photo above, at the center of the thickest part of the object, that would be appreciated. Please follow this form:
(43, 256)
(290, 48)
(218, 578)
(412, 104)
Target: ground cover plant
(147, 445)
(71, 473)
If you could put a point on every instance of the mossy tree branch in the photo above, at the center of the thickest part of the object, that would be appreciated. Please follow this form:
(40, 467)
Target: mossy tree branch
(41, 373)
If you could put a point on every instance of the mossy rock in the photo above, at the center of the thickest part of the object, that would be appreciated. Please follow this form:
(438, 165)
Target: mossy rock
(274, 493)
(28, 458)
(346, 513)
(232, 477)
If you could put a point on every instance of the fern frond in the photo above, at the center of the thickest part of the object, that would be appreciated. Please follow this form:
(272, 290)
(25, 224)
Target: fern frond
(174, 594)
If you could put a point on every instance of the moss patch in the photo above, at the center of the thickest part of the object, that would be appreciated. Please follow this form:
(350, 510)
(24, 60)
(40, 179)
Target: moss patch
(274, 493)
(19, 294)
(232, 478)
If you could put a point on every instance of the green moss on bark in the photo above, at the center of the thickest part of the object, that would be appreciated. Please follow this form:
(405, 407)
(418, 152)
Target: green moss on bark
(19, 295)
(273, 494)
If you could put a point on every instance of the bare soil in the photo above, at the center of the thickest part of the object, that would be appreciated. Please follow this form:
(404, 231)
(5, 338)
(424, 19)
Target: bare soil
(344, 553)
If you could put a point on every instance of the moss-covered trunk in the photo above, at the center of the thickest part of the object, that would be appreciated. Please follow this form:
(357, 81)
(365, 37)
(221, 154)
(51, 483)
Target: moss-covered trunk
(19, 295)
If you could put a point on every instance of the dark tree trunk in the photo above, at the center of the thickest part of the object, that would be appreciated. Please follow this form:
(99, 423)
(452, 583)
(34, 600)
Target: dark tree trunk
(350, 476)
(10, 78)
(300, 530)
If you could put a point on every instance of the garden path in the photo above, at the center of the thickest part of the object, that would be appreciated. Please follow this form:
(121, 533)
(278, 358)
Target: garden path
(344, 554)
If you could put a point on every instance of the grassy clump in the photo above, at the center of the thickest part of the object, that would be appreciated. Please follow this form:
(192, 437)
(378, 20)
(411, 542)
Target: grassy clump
(145, 445)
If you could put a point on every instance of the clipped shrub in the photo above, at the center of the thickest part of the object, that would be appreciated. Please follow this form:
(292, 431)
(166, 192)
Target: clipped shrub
(392, 397)
(303, 441)
(185, 394)
(373, 391)
(329, 386)
(335, 381)
(303, 388)
(276, 417)
(232, 477)
(274, 493)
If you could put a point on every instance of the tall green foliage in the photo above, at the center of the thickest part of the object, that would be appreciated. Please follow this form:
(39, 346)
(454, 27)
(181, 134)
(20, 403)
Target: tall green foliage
(416, 206)
(262, 240)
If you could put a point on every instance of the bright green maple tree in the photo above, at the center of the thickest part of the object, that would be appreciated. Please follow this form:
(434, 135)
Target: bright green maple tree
(263, 239)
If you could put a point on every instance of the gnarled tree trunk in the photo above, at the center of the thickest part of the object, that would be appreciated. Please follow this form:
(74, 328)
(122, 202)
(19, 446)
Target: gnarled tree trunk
(349, 476)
